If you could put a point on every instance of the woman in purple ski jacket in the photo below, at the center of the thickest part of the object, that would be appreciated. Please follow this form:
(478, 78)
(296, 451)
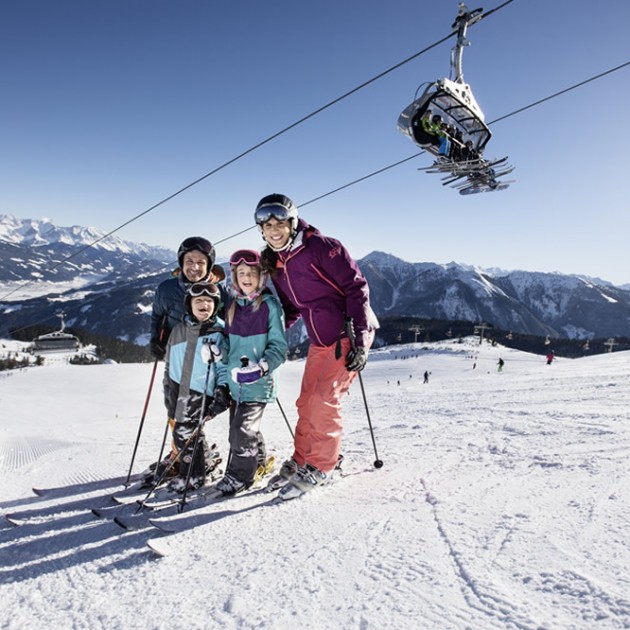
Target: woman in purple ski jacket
(317, 280)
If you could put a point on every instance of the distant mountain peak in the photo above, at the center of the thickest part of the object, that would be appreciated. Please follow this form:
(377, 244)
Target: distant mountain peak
(41, 232)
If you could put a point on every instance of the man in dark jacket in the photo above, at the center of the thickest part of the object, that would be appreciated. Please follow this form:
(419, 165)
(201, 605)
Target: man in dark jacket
(196, 258)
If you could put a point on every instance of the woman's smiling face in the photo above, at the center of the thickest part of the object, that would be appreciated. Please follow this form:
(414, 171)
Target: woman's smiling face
(277, 233)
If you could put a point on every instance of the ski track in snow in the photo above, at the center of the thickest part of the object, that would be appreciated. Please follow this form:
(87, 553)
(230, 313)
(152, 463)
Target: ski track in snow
(503, 503)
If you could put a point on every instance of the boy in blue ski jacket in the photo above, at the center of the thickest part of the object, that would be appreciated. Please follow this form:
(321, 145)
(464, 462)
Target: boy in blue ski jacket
(195, 385)
(256, 347)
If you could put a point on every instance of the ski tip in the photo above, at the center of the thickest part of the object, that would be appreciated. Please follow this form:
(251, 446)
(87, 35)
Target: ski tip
(161, 525)
(13, 520)
(158, 547)
(40, 492)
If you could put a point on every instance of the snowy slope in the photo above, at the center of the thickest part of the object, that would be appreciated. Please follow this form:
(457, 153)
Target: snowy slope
(503, 503)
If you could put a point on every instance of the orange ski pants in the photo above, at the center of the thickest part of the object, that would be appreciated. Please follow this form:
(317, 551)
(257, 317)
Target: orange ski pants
(319, 426)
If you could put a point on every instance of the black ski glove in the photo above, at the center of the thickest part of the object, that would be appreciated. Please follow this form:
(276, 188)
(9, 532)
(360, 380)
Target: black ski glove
(158, 350)
(356, 359)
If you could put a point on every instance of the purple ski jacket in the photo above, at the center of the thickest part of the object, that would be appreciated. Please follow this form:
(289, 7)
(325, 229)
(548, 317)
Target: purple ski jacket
(316, 279)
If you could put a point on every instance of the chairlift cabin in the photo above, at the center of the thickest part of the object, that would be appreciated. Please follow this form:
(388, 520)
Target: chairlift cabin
(58, 341)
(447, 122)
(450, 99)
(456, 106)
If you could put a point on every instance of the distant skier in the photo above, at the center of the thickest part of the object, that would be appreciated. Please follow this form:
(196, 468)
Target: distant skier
(426, 376)
(550, 357)
(500, 365)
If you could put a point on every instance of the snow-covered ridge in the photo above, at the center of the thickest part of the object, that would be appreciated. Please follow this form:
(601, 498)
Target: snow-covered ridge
(40, 232)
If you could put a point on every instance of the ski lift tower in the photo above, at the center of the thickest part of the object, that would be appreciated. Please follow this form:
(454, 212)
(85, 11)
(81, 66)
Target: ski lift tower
(611, 343)
(479, 330)
(416, 330)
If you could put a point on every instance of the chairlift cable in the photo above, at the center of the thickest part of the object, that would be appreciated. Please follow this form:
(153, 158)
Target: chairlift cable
(250, 150)
(378, 171)
(548, 98)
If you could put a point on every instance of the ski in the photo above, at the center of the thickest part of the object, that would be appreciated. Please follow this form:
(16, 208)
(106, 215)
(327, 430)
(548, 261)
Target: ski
(178, 523)
(131, 493)
(164, 525)
(164, 497)
(131, 522)
(212, 496)
(159, 547)
(106, 511)
(170, 526)
(15, 520)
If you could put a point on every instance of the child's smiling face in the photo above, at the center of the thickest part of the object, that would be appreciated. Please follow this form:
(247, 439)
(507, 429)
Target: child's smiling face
(247, 278)
(202, 307)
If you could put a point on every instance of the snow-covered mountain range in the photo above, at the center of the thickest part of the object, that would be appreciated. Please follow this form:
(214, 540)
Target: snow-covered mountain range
(559, 305)
(105, 285)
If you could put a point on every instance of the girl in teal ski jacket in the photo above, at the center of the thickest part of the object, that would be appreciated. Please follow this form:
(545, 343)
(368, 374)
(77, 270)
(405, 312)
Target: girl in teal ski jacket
(256, 346)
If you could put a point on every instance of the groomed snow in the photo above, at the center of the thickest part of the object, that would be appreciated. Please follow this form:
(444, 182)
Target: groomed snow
(503, 502)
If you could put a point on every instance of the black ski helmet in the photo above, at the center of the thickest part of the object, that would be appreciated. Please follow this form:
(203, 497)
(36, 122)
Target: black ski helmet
(198, 289)
(278, 200)
(196, 243)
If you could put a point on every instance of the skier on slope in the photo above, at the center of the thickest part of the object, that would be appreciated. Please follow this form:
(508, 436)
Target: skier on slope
(196, 256)
(316, 279)
(192, 377)
(256, 347)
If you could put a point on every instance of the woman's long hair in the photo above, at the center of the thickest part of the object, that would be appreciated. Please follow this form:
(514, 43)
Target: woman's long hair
(268, 260)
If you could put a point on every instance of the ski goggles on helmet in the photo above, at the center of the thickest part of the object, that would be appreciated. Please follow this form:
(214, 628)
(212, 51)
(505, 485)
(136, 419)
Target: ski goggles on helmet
(247, 256)
(274, 211)
(203, 288)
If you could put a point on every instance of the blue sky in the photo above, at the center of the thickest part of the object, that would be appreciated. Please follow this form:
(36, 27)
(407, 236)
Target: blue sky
(111, 106)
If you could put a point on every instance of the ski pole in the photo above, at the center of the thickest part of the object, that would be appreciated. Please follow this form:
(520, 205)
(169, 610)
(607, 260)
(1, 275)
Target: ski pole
(144, 411)
(144, 415)
(378, 463)
(284, 415)
(163, 443)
